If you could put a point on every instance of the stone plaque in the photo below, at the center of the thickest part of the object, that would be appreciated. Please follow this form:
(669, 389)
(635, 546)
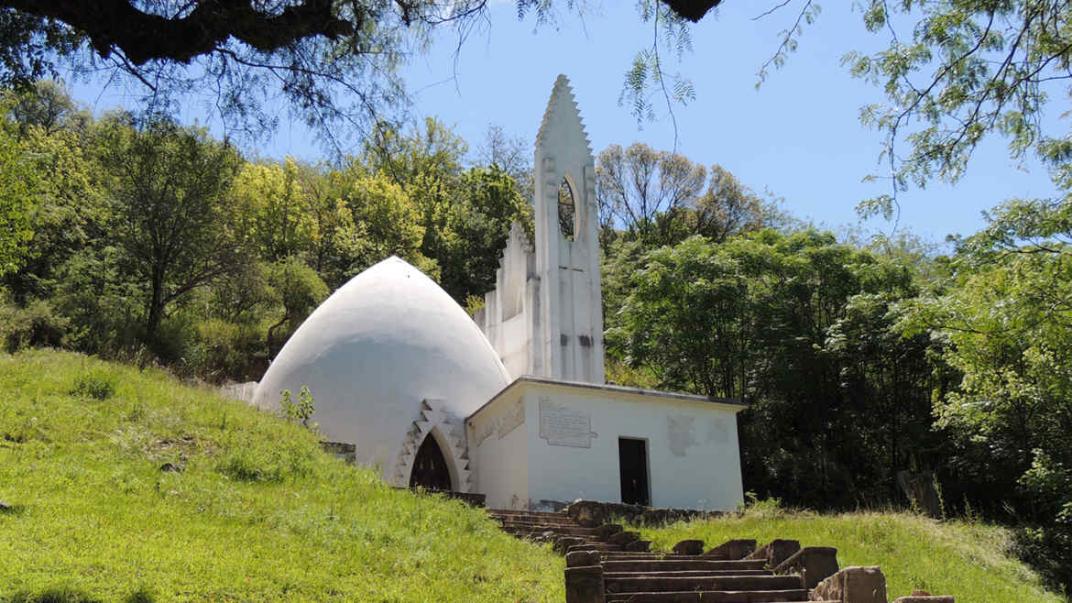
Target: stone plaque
(561, 425)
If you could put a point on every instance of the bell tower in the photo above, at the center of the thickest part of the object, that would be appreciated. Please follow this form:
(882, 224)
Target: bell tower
(545, 315)
(569, 338)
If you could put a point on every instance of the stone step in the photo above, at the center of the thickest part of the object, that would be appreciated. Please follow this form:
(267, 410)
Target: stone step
(595, 546)
(686, 573)
(688, 563)
(642, 584)
(520, 513)
(777, 596)
(557, 530)
(541, 523)
(650, 556)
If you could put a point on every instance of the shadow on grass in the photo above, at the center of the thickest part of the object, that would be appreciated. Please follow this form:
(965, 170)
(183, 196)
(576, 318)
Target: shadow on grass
(54, 595)
(12, 510)
(66, 595)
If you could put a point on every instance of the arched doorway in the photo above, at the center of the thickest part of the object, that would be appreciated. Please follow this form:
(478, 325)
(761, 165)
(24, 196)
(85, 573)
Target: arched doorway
(430, 470)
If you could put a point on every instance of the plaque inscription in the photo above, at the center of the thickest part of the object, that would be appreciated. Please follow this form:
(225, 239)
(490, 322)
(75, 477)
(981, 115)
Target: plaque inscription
(561, 425)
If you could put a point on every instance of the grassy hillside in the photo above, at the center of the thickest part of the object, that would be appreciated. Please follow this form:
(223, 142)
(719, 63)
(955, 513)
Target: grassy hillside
(257, 512)
(968, 560)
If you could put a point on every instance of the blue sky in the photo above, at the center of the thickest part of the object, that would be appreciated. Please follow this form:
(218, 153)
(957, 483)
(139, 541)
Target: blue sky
(797, 137)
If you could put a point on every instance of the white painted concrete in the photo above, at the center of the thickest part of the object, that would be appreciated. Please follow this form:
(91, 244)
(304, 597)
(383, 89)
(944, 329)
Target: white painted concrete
(374, 351)
(392, 360)
(693, 454)
(498, 449)
(545, 316)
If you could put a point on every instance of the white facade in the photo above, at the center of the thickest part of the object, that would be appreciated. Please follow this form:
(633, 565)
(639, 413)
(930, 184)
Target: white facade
(560, 441)
(514, 400)
(545, 316)
(389, 358)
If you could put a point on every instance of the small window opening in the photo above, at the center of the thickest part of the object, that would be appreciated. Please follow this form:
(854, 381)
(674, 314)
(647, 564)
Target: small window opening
(567, 211)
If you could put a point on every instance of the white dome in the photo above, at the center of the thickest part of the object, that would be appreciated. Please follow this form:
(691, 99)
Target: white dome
(373, 351)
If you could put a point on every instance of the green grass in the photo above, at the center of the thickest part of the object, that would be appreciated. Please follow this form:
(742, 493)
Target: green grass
(257, 513)
(971, 561)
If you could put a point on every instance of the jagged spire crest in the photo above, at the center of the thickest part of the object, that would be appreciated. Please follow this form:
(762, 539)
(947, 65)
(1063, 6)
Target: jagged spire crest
(562, 101)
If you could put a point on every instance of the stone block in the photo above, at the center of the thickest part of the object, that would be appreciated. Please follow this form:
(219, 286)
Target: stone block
(563, 544)
(853, 585)
(582, 558)
(776, 551)
(584, 584)
(608, 529)
(638, 546)
(623, 538)
(813, 563)
(689, 547)
(731, 550)
(588, 513)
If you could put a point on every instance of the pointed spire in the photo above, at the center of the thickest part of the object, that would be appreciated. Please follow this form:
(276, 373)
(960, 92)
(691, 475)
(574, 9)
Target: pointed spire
(562, 112)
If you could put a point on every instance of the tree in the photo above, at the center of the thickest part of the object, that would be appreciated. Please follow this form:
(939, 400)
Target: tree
(275, 207)
(169, 190)
(725, 209)
(372, 219)
(334, 61)
(658, 198)
(68, 209)
(484, 204)
(299, 291)
(512, 154)
(637, 184)
(1005, 314)
(18, 182)
(803, 329)
(46, 105)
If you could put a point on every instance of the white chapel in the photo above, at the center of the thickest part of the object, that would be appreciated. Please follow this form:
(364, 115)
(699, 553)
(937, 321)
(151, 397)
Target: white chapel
(511, 403)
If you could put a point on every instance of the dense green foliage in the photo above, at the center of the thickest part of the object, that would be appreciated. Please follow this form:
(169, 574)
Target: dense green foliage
(146, 240)
(971, 560)
(126, 485)
(799, 326)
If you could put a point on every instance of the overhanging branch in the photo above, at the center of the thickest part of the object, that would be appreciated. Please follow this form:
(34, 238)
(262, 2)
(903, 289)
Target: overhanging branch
(142, 37)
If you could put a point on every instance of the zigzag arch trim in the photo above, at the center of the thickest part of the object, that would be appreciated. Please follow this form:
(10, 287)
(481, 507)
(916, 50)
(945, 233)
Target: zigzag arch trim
(449, 432)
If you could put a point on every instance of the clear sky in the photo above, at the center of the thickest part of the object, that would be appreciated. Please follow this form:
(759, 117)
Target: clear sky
(798, 136)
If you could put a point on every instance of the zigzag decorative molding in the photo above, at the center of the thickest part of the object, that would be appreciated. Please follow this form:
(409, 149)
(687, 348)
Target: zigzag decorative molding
(564, 92)
(450, 429)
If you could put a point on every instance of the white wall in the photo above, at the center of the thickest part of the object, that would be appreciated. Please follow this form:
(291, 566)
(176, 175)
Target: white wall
(498, 453)
(693, 452)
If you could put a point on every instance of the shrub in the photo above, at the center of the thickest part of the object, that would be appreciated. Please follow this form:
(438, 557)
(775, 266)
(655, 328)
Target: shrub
(285, 459)
(95, 385)
(36, 325)
(226, 350)
(300, 411)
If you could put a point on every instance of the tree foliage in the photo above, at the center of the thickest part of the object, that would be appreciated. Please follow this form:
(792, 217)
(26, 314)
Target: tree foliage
(17, 181)
(168, 191)
(801, 327)
(1006, 318)
(334, 62)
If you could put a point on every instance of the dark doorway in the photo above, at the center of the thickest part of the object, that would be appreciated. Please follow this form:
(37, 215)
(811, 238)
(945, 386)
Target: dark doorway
(430, 467)
(633, 467)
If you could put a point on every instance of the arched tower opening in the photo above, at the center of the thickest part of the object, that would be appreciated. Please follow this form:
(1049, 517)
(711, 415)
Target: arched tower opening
(567, 210)
(430, 469)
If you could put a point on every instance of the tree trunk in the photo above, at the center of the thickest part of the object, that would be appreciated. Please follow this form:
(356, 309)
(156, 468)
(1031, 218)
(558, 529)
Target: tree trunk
(156, 307)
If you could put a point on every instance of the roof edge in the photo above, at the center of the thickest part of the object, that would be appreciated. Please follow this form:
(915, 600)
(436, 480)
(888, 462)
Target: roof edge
(734, 404)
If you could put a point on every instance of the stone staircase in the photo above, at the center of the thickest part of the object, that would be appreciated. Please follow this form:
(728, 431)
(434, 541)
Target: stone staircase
(607, 564)
(566, 533)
